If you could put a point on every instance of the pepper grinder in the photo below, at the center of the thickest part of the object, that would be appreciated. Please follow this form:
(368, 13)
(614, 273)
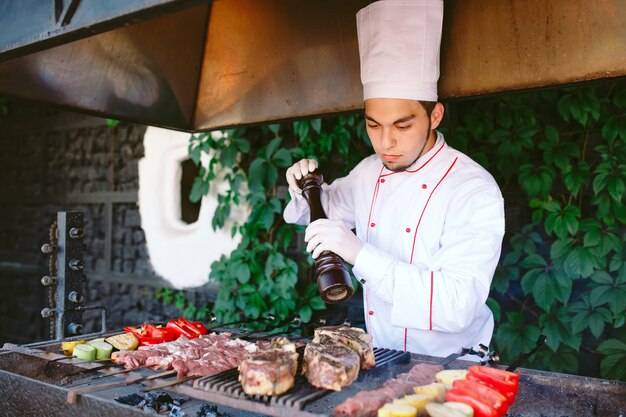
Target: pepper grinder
(333, 281)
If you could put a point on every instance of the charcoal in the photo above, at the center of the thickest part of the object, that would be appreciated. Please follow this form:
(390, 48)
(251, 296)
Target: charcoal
(176, 412)
(133, 400)
(153, 401)
(209, 410)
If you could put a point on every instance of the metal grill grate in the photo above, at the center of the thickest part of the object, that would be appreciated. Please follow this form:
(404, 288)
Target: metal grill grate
(227, 382)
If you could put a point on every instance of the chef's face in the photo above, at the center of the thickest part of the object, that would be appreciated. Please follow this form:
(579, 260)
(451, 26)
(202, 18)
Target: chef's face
(400, 130)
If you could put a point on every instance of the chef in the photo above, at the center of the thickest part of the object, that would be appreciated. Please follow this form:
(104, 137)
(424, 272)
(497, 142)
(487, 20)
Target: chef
(429, 220)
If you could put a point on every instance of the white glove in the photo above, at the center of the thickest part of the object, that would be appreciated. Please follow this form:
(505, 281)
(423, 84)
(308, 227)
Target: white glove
(297, 171)
(334, 236)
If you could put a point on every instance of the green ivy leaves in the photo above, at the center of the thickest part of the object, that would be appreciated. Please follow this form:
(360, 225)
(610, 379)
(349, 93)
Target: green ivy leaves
(566, 150)
(609, 290)
(515, 336)
(613, 366)
(581, 105)
(536, 180)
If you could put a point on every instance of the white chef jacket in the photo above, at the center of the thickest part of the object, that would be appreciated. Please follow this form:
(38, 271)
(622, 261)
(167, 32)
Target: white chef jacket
(433, 235)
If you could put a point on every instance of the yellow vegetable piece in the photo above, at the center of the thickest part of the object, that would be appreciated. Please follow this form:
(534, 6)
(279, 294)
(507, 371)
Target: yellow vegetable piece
(397, 410)
(124, 341)
(448, 376)
(440, 410)
(418, 401)
(436, 389)
(462, 407)
(68, 347)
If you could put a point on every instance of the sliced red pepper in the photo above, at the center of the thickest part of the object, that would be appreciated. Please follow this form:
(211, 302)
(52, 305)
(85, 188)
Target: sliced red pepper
(149, 334)
(180, 329)
(195, 325)
(480, 408)
(486, 373)
(509, 393)
(184, 327)
(495, 372)
(483, 393)
(507, 383)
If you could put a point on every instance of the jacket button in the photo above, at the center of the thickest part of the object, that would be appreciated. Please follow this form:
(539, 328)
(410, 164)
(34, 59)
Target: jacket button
(382, 180)
(371, 313)
(424, 186)
(373, 224)
(408, 230)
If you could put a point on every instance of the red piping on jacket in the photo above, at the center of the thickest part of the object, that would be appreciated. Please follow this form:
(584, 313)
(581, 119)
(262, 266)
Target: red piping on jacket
(432, 284)
(413, 247)
(426, 205)
(374, 196)
(367, 312)
(405, 332)
(369, 218)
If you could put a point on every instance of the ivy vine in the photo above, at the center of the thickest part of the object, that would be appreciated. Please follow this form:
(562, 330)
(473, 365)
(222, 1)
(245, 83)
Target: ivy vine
(264, 274)
(563, 273)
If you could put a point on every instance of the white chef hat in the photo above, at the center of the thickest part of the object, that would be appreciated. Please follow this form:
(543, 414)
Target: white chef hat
(399, 48)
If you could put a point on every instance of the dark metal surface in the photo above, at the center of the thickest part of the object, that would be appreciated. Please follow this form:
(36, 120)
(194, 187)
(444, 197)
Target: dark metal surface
(145, 72)
(67, 278)
(278, 59)
(252, 61)
(33, 25)
(495, 46)
(70, 276)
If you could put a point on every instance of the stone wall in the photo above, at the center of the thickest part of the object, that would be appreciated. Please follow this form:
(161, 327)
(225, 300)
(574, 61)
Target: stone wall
(59, 161)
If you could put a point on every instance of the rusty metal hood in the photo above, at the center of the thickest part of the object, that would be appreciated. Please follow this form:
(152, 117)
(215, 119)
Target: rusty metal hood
(201, 65)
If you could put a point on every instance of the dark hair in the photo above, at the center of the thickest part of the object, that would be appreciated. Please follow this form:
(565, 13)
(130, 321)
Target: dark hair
(429, 106)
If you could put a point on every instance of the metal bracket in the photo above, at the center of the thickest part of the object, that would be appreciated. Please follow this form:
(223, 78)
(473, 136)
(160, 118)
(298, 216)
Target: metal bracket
(70, 275)
(63, 14)
(66, 279)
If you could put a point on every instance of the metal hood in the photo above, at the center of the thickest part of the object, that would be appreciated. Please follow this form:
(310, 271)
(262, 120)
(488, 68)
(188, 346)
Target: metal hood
(201, 65)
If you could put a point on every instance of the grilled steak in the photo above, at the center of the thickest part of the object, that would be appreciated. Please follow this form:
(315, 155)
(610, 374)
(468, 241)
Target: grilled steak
(330, 366)
(350, 337)
(269, 372)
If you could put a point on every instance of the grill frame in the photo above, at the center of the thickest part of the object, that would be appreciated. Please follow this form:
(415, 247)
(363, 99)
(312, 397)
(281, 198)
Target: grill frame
(541, 393)
(226, 384)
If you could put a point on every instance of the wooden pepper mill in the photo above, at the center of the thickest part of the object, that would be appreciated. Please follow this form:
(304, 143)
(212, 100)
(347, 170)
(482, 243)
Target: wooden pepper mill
(333, 280)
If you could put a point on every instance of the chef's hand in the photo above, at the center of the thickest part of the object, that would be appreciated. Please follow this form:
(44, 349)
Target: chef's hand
(335, 236)
(299, 170)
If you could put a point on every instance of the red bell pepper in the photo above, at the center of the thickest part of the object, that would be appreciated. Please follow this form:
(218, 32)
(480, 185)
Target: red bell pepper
(507, 383)
(508, 394)
(181, 329)
(483, 393)
(184, 327)
(480, 408)
(495, 372)
(149, 334)
(196, 325)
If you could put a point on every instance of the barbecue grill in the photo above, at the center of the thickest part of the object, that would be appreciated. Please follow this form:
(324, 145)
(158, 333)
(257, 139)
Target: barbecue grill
(38, 380)
(32, 385)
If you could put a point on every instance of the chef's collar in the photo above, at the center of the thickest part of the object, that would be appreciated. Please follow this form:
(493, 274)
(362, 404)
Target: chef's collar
(439, 143)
